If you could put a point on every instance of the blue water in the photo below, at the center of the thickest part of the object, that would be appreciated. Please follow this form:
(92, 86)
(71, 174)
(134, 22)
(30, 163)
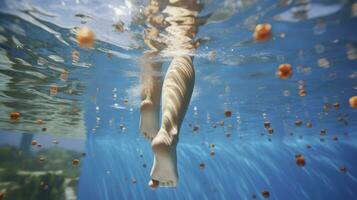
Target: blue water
(241, 78)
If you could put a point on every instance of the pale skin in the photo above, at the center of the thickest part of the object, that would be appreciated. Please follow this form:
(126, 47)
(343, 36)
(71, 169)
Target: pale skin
(175, 93)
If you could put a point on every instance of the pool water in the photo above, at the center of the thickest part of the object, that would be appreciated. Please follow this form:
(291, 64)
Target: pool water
(82, 140)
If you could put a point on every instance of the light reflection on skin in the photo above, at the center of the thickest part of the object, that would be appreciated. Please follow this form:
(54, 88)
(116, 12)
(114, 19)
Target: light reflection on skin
(172, 25)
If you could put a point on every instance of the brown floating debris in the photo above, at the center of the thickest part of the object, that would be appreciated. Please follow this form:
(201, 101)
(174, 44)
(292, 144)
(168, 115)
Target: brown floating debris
(298, 123)
(353, 102)
(302, 93)
(44, 129)
(262, 32)
(309, 124)
(265, 193)
(270, 130)
(2, 195)
(323, 132)
(211, 145)
(85, 37)
(196, 128)
(14, 116)
(284, 71)
(267, 124)
(300, 160)
(336, 105)
(228, 113)
(334, 138)
(39, 121)
(53, 89)
(33, 142)
(75, 162)
(343, 169)
(119, 27)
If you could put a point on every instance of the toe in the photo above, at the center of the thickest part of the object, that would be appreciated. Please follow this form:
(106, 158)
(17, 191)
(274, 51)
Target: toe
(153, 184)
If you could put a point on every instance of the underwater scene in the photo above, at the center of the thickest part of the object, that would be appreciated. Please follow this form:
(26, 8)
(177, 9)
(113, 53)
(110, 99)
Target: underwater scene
(178, 99)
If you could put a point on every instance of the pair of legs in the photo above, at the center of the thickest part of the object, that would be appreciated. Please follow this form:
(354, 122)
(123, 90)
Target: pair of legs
(175, 94)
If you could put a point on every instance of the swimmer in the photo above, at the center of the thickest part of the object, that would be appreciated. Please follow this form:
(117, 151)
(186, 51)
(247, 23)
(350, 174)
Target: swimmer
(179, 19)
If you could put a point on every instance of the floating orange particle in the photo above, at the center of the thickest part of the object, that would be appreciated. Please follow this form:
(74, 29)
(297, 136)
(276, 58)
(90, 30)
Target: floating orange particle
(284, 71)
(14, 116)
(266, 193)
(302, 93)
(53, 89)
(85, 37)
(262, 32)
(353, 102)
(300, 160)
(75, 162)
(33, 142)
(228, 113)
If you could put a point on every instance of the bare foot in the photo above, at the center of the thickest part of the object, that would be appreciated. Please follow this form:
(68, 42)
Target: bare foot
(149, 119)
(164, 169)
